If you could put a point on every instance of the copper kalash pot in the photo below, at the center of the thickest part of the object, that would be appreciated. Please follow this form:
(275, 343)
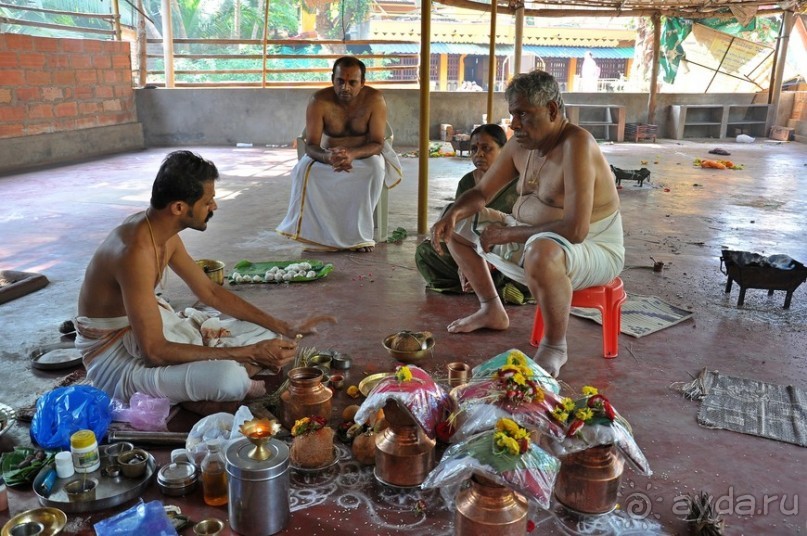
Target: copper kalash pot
(305, 397)
(487, 508)
(404, 454)
(588, 480)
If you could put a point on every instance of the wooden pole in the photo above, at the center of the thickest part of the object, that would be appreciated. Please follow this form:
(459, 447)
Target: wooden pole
(425, 93)
(116, 12)
(265, 38)
(651, 106)
(775, 87)
(168, 44)
(519, 44)
(142, 44)
(492, 59)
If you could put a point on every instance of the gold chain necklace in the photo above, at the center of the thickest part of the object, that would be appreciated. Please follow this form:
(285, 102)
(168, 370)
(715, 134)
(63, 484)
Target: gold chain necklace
(533, 180)
(160, 271)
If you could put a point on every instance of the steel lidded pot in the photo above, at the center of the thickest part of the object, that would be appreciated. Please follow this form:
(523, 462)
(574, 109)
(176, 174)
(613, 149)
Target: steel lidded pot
(258, 485)
(177, 479)
(306, 396)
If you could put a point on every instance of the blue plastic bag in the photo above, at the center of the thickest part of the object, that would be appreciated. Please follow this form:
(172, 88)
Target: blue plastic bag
(143, 518)
(62, 412)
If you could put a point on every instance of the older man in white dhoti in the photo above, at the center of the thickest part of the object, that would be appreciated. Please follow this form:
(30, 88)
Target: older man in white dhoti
(337, 183)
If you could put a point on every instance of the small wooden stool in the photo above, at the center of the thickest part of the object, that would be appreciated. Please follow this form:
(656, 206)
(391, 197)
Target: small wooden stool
(608, 299)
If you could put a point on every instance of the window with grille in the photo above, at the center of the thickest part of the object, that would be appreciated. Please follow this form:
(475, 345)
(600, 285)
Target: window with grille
(453, 67)
(406, 74)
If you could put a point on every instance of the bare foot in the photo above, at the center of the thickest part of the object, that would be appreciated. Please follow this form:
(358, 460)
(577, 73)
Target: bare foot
(257, 389)
(551, 357)
(365, 249)
(490, 315)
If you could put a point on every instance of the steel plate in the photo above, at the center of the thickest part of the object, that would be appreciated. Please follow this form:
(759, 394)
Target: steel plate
(56, 356)
(110, 491)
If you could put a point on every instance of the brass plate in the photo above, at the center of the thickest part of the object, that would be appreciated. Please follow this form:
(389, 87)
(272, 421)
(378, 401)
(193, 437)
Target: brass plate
(367, 384)
(53, 520)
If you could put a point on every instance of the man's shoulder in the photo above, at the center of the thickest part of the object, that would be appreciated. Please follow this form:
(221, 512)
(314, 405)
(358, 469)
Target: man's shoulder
(325, 95)
(372, 94)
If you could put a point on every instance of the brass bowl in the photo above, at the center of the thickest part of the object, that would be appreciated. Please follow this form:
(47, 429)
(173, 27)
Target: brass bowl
(214, 269)
(81, 489)
(133, 463)
(52, 519)
(409, 356)
(209, 527)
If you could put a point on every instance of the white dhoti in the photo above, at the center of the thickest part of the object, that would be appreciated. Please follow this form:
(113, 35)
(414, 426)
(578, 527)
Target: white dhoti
(115, 364)
(597, 260)
(334, 210)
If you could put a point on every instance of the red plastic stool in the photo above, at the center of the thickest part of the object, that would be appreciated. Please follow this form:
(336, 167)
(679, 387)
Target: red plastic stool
(608, 299)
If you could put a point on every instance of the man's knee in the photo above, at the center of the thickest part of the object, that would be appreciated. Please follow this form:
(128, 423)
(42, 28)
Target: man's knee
(228, 381)
(544, 258)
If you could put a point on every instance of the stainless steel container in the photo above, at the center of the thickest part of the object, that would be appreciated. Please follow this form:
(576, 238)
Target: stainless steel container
(177, 479)
(258, 486)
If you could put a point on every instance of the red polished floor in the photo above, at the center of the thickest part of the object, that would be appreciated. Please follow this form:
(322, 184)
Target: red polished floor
(52, 219)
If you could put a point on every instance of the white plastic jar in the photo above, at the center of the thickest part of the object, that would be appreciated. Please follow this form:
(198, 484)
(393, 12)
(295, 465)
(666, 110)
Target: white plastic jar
(64, 464)
(84, 449)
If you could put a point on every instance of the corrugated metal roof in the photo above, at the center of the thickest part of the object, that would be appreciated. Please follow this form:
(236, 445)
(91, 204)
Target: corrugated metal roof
(578, 52)
(505, 50)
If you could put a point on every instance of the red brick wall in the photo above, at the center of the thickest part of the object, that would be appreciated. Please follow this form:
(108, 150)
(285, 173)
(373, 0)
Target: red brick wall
(52, 85)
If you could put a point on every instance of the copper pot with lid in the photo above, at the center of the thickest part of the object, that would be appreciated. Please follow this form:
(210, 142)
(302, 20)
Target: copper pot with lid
(486, 507)
(404, 454)
(588, 481)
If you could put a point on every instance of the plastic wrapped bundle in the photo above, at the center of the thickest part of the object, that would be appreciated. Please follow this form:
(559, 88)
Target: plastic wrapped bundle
(505, 455)
(414, 390)
(512, 390)
(591, 421)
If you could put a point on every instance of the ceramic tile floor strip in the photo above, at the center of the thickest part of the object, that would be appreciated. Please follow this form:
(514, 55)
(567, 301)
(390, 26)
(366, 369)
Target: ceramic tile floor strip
(52, 220)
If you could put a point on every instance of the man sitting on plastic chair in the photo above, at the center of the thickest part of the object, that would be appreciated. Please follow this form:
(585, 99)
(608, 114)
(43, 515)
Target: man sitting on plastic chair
(347, 163)
(565, 232)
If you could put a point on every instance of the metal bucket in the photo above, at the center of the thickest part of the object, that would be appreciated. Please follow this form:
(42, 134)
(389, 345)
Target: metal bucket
(258, 489)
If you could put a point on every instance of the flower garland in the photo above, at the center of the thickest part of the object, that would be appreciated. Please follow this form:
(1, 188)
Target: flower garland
(515, 379)
(308, 425)
(591, 408)
(510, 438)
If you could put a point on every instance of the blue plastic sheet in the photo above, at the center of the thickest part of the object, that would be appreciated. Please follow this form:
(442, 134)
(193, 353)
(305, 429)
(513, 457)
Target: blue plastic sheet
(64, 411)
(143, 518)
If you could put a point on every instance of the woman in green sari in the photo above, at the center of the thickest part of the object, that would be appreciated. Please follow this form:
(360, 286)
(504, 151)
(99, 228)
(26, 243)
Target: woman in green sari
(440, 271)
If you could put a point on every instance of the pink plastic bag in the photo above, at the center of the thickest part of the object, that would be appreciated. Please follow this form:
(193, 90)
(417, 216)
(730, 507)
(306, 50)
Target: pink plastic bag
(147, 413)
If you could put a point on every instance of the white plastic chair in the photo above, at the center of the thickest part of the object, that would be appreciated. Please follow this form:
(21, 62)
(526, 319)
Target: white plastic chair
(381, 211)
